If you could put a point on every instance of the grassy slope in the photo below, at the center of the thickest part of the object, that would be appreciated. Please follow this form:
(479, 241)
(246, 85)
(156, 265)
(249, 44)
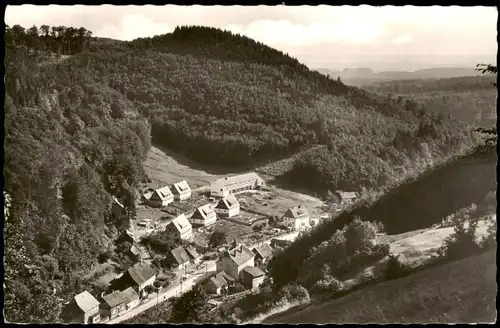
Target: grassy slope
(460, 292)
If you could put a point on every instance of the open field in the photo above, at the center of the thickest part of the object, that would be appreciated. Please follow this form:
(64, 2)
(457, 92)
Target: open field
(167, 169)
(276, 201)
(459, 292)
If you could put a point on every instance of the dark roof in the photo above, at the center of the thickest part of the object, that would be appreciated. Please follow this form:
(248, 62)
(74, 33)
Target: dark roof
(179, 255)
(130, 294)
(227, 202)
(181, 187)
(204, 212)
(141, 272)
(240, 254)
(264, 250)
(86, 301)
(297, 211)
(221, 279)
(115, 298)
(192, 253)
(254, 271)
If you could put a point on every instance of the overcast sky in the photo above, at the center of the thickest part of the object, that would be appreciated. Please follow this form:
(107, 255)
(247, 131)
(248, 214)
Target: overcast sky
(319, 36)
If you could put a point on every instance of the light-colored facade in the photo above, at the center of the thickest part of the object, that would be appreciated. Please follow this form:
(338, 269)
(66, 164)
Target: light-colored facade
(179, 228)
(231, 185)
(228, 206)
(88, 308)
(161, 197)
(235, 260)
(297, 218)
(181, 190)
(204, 216)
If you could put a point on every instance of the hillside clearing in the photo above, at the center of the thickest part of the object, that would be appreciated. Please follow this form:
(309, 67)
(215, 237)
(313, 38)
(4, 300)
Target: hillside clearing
(459, 292)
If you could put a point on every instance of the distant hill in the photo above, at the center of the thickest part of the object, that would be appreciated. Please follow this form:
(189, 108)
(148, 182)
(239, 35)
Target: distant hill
(363, 76)
(470, 99)
(459, 292)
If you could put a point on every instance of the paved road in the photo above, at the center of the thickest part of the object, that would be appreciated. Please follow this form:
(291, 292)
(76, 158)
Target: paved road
(171, 292)
(155, 299)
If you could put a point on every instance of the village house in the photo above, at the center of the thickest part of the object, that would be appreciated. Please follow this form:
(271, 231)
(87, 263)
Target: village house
(194, 257)
(297, 218)
(262, 253)
(147, 195)
(138, 276)
(253, 277)
(219, 283)
(117, 208)
(228, 206)
(234, 260)
(346, 198)
(114, 304)
(179, 228)
(132, 298)
(230, 185)
(177, 258)
(181, 190)
(86, 308)
(161, 197)
(204, 216)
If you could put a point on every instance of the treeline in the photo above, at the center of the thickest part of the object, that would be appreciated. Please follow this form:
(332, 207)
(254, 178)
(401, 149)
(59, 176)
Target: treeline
(470, 99)
(61, 40)
(67, 151)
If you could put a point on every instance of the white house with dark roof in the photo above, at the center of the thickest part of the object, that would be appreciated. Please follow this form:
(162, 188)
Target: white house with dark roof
(228, 206)
(161, 197)
(177, 258)
(179, 228)
(234, 260)
(238, 183)
(204, 216)
(181, 190)
(297, 218)
(87, 308)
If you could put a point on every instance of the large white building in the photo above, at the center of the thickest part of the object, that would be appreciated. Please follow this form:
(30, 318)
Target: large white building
(230, 185)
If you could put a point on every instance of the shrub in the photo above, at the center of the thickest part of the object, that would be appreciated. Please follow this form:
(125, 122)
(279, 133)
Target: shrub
(395, 267)
(462, 242)
(490, 240)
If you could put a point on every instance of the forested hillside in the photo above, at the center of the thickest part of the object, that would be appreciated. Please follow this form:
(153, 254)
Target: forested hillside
(76, 133)
(470, 99)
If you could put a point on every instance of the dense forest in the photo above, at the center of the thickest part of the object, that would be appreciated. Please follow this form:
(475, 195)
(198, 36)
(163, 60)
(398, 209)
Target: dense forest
(77, 131)
(469, 99)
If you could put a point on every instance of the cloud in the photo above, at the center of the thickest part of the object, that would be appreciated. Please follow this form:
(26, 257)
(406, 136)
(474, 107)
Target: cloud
(133, 26)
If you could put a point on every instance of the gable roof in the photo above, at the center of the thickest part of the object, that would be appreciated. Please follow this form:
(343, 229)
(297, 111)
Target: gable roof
(240, 254)
(141, 272)
(147, 194)
(181, 187)
(297, 212)
(181, 223)
(115, 298)
(254, 271)
(347, 194)
(179, 255)
(204, 211)
(221, 183)
(130, 294)
(264, 250)
(163, 193)
(221, 279)
(227, 202)
(86, 301)
(192, 253)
